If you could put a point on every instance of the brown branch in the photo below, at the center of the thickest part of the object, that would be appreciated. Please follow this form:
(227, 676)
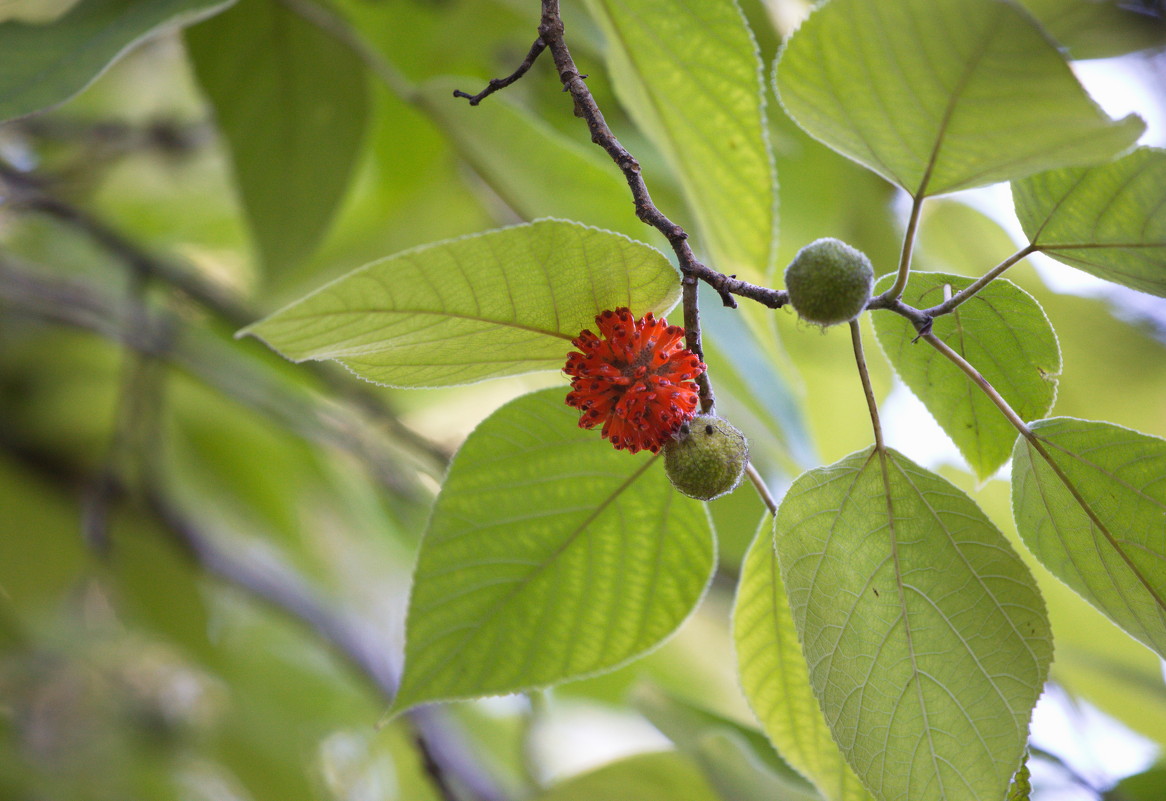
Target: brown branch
(552, 33)
(501, 83)
(867, 390)
(551, 37)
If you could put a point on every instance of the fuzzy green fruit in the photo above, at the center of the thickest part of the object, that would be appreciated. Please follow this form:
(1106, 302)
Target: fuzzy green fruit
(707, 458)
(829, 282)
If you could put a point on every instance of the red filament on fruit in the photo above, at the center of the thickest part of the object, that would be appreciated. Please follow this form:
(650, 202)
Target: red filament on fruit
(636, 379)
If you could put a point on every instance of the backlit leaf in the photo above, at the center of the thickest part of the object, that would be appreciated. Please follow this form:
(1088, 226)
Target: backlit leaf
(549, 556)
(1108, 220)
(292, 103)
(940, 95)
(500, 303)
(1097, 520)
(776, 680)
(1100, 30)
(689, 74)
(44, 65)
(925, 635)
(1003, 333)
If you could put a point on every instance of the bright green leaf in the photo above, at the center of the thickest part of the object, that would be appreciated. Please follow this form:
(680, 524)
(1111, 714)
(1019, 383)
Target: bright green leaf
(536, 170)
(734, 768)
(925, 635)
(776, 680)
(500, 303)
(662, 776)
(1097, 519)
(1106, 220)
(1003, 332)
(292, 103)
(549, 556)
(690, 76)
(44, 65)
(940, 95)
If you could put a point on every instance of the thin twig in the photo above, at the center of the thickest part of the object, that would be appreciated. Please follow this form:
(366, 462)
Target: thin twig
(896, 290)
(1037, 444)
(867, 389)
(551, 32)
(981, 382)
(949, 305)
(501, 83)
(761, 487)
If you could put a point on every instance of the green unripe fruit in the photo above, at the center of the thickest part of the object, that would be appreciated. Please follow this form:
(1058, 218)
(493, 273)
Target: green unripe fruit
(707, 458)
(829, 282)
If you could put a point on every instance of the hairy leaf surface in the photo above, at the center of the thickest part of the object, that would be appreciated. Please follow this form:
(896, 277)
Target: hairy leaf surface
(1097, 519)
(1003, 332)
(776, 680)
(292, 103)
(689, 74)
(926, 638)
(43, 65)
(500, 303)
(940, 95)
(1107, 220)
(549, 556)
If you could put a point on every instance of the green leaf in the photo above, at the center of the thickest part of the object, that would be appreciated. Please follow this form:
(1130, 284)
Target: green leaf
(663, 776)
(538, 171)
(733, 767)
(1096, 517)
(925, 635)
(292, 103)
(1149, 785)
(689, 74)
(1099, 29)
(500, 303)
(1021, 787)
(549, 556)
(776, 680)
(1003, 332)
(1106, 220)
(44, 65)
(692, 728)
(940, 95)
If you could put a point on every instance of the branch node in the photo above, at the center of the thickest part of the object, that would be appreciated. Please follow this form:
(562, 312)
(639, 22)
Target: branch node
(501, 83)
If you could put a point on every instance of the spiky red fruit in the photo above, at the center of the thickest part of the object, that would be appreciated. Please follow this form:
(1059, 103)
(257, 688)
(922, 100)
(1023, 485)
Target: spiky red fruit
(637, 380)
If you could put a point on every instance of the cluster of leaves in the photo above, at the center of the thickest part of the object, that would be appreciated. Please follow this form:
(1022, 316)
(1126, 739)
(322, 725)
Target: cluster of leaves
(890, 639)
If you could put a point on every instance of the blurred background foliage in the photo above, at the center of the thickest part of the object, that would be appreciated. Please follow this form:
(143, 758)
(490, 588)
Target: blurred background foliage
(205, 551)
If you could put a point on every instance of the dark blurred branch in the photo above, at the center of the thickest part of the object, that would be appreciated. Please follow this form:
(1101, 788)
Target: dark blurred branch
(446, 757)
(443, 749)
(25, 192)
(25, 290)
